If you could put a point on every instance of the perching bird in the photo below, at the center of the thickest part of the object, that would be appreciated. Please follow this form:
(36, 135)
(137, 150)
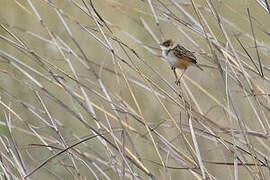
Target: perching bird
(178, 57)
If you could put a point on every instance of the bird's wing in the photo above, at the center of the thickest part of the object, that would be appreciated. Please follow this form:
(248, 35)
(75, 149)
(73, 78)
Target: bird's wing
(181, 52)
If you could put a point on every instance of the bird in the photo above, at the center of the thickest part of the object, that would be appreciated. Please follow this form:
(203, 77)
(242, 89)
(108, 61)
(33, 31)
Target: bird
(178, 57)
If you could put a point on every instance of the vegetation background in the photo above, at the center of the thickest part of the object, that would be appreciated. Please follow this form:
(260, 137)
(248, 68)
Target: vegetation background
(85, 93)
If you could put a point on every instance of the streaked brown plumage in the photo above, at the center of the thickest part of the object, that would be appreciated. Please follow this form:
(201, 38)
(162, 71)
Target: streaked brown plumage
(178, 56)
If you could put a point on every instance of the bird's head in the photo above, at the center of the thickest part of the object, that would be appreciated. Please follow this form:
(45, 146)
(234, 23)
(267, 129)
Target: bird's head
(168, 44)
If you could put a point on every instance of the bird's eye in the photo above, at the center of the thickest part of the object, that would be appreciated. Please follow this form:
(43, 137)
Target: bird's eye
(166, 43)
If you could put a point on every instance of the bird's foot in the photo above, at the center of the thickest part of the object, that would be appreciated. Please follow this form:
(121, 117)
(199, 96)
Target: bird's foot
(177, 82)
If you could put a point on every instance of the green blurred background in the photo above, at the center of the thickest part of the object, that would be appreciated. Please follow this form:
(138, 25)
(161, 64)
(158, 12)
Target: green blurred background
(124, 18)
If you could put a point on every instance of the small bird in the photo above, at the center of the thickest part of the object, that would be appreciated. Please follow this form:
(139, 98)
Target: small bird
(178, 57)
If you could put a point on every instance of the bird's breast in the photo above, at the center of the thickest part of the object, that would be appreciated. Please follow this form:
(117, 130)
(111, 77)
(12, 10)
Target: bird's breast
(182, 63)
